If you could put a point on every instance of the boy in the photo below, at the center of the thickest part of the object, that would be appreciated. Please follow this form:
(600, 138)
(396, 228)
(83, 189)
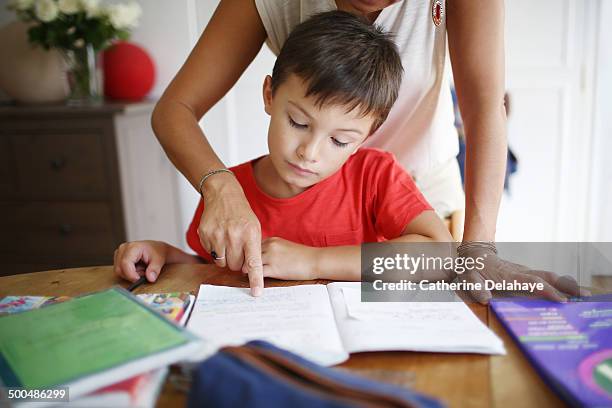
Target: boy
(316, 194)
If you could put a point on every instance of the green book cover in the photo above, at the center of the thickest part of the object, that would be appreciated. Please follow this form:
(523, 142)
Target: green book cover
(61, 343)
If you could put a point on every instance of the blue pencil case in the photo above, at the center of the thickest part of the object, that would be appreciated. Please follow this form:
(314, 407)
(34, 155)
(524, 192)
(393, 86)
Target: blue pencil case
(259, 374)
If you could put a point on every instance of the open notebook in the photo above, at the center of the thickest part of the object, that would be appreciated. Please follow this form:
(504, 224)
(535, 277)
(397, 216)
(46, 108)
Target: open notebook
(327, 322)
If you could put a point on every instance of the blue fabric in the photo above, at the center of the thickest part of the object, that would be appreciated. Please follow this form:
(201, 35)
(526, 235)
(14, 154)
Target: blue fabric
(224, 381)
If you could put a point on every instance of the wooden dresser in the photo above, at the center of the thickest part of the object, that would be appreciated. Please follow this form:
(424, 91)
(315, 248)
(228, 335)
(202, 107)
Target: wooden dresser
(77, 182)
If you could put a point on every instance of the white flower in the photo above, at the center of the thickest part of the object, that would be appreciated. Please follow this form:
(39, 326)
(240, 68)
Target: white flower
(46, 10)
(69, 6)
(91, 8)
(124, 16)
(21, 5)
(79, 43)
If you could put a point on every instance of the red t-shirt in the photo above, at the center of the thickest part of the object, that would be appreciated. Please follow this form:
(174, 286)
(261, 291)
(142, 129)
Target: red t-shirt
(370, 199)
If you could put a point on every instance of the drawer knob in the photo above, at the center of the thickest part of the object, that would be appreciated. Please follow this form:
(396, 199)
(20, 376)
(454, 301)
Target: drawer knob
(58, 163)
(65, 229)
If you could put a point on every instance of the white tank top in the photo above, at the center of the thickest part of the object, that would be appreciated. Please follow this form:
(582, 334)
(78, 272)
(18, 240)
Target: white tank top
(420, 128)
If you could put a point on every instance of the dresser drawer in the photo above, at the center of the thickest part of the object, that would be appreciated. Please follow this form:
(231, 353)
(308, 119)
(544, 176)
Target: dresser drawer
(69, 164)
(44, 231)
(8, 183)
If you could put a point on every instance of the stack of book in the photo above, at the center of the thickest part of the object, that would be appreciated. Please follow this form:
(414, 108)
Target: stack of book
(110, 348)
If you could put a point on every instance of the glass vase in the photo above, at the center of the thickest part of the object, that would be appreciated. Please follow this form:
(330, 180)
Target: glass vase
(84, 76)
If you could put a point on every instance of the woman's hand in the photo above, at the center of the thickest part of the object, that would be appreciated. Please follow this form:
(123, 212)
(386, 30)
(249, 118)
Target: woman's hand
(284, 259)
(137, 258)
(230, 228)
(498, 270)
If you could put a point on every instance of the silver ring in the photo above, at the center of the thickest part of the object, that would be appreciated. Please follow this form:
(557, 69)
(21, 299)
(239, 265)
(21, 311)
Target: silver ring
(215, 256)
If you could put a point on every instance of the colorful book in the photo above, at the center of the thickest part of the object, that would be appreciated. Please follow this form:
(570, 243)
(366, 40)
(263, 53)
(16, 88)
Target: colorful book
(114, 332)
(176, 306)
(569, 344)
(140, 391)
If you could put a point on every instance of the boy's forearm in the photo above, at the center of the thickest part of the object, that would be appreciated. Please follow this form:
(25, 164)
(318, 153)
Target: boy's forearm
(175, 255)
(343, 263)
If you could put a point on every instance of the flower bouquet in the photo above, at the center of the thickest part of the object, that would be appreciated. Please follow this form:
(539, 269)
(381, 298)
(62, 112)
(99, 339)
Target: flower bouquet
(80, 29)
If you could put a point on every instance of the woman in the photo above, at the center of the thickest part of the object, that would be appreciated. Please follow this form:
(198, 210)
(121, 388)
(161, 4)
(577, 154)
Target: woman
(419, 130)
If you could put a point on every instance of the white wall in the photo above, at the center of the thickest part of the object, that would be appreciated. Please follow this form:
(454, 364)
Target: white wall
(551, 73)
(169, 31)
(600, 197)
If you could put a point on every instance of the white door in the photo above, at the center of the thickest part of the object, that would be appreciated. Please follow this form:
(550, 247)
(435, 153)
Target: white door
(549, 70)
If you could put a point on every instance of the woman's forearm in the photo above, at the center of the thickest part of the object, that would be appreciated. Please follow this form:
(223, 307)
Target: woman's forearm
(179, 133)
(229, 43)
(476, 45)
(485, 169)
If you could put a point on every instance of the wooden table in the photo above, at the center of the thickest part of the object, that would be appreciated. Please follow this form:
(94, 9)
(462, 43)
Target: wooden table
(460, 380)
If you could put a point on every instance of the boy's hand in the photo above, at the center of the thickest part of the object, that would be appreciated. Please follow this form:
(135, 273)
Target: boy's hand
(134, 259)
(284, 259)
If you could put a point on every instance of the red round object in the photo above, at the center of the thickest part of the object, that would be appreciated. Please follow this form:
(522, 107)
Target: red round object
(129, 72)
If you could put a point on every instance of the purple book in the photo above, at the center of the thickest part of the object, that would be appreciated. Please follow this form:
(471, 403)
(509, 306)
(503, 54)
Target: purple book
(569, 344)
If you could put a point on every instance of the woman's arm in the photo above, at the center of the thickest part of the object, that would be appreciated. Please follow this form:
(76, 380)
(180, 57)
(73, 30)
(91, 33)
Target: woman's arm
(231, 40)
(287, 260)
(476, 45)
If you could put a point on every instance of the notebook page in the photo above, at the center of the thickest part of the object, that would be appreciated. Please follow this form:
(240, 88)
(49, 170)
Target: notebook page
(449, 327)
(297, 318)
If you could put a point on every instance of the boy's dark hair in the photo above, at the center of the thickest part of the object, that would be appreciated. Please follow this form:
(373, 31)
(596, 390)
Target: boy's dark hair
(343, 61)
